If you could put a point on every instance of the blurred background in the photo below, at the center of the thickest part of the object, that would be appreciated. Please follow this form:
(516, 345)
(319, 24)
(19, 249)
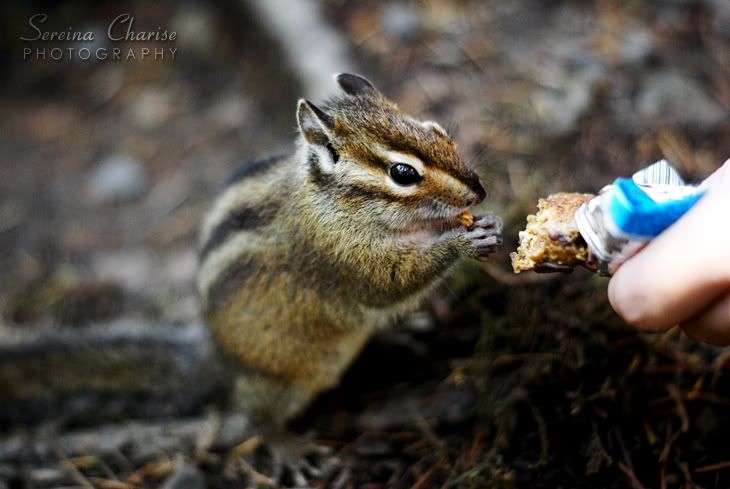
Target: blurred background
(107, 166)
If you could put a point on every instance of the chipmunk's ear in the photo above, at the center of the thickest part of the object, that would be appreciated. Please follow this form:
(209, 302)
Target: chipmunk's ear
(355, 84)
(314, 124)
(316, 127)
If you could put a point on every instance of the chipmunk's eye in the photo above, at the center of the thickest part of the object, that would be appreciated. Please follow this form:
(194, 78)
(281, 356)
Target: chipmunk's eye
(403, 174)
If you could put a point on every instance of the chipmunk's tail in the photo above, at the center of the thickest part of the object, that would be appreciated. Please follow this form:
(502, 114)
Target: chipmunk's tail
(125, 368)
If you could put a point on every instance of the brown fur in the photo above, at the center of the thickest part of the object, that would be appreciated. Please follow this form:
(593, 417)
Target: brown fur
(292, 301)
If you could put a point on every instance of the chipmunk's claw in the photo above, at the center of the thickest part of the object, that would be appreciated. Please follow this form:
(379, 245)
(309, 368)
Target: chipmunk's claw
(485, 235)
(299, 461)
(292, 462)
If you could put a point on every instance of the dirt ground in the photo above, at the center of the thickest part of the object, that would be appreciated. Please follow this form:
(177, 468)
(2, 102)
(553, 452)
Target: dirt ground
(504, 381)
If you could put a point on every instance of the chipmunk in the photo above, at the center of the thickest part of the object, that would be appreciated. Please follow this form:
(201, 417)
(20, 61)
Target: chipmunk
(303, 257)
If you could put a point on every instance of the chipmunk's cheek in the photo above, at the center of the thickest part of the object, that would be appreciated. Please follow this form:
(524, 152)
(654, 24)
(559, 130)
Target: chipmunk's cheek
(441, 199)
(459, 196)
(461, 201)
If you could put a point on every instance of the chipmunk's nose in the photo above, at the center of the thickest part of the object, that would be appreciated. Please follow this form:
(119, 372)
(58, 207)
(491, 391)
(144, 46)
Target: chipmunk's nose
(478, 194)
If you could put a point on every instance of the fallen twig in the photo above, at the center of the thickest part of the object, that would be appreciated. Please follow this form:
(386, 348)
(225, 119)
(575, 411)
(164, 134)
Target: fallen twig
(713, 467)
(681, 408)
(421, 482)
(635, 483)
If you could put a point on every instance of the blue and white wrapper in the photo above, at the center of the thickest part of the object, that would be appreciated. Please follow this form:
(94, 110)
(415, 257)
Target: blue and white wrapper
(628, 214)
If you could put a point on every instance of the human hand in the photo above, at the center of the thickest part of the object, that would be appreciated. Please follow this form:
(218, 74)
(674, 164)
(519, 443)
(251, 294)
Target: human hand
(683, 276)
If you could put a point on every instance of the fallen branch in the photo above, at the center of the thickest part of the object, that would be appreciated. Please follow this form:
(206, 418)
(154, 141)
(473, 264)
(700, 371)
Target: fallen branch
(139, 440)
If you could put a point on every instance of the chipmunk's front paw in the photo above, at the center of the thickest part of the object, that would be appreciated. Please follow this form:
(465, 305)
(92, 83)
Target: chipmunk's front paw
(484, 236)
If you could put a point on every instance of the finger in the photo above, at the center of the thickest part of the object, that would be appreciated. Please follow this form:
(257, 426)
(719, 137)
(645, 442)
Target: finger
(719, 176)
(712, 325)
(680, 272)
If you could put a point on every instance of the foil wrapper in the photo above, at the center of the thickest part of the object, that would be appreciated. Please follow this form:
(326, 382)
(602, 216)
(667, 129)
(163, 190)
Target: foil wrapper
(616, 226)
